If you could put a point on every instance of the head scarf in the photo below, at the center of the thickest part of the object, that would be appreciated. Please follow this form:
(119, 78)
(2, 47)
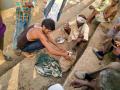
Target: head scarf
(81, 19)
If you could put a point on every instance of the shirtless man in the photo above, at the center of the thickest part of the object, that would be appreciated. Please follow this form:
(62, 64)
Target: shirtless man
(37, 37)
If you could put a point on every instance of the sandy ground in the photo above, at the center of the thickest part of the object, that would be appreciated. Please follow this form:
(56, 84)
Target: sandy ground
(23, 76)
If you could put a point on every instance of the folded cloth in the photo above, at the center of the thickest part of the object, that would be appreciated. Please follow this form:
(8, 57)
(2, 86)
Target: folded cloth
(109, 79)
(85, 31)
(47, 66)
(54, 9)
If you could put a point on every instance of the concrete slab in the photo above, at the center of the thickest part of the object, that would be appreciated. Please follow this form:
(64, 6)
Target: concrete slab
(88, 61)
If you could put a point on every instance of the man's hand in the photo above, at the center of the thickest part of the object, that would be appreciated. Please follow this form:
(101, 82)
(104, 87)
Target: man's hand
(66, 56)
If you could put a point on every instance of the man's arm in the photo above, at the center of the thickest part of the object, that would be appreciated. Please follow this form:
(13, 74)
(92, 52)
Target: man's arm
(50, 47)
(51, 40)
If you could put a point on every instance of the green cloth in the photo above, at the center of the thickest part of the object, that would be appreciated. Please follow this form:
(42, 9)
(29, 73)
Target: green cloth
(111, 55)
(48, 66)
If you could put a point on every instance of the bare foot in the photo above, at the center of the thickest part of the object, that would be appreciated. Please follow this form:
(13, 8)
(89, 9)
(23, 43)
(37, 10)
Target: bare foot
(18, 52)
(7, 49)
(28, 55)
(79, 83)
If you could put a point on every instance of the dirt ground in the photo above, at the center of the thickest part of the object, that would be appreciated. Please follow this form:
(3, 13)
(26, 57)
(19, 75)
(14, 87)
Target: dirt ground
(23, 76)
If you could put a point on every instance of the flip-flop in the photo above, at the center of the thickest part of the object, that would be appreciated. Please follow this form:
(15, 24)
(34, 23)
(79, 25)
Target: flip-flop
(80, 75)
(95, 52)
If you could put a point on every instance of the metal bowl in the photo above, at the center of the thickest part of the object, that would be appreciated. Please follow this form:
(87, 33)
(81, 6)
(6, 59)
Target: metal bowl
(60, 39)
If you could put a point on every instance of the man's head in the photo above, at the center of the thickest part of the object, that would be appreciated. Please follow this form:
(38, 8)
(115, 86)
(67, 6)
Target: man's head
(81, 19)
(48, 24)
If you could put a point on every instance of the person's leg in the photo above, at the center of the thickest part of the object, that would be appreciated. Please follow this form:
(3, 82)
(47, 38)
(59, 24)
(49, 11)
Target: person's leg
(21, 25)
(92, 16)
(92, 75)
(86, 75)
(33, 46)
(2, 31)
(1, 43)
(104, 49)
(18, 29)
(112, 65)
(81, 83)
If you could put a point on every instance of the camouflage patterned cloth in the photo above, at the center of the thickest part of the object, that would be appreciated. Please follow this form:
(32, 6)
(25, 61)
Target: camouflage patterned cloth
(47, 66)
(110, 79)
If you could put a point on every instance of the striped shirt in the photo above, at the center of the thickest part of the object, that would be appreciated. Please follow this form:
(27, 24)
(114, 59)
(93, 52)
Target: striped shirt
(22, 11)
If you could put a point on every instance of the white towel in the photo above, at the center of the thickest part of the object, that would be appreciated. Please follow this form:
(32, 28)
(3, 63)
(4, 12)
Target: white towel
(85, 30)
(55, 9)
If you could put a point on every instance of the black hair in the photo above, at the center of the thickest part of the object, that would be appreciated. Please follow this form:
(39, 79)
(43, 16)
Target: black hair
(49, 24)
